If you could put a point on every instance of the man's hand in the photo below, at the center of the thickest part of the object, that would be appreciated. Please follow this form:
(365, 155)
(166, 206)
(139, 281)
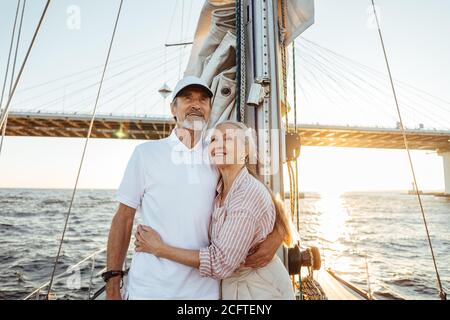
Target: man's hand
(113, 289)
(265, 251)
(118, 241)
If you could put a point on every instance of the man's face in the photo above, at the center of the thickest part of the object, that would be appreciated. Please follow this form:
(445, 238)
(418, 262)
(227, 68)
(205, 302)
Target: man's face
(192, 108)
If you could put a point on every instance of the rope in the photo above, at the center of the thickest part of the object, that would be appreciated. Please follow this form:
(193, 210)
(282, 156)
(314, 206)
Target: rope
(284, 60)
(295, 172)
(8, 104)
(240, 60)
(442, 293)
(291, 188)
(84, 149)
(294, 86)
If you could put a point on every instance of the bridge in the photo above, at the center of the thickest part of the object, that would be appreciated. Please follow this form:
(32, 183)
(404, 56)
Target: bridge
(329, 87)
(145, 128)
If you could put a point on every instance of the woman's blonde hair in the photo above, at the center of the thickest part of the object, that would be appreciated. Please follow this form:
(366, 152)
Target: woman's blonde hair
(283, 223)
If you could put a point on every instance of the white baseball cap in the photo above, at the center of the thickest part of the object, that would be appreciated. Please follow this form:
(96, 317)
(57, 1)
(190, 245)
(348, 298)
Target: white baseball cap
(190, 81)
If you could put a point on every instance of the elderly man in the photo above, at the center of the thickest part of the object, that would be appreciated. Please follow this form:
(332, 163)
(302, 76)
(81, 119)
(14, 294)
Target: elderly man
(173, 185)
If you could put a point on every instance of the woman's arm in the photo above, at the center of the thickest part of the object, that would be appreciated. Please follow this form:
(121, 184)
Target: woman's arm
(230, 246)
(225, 254)
(148, 240)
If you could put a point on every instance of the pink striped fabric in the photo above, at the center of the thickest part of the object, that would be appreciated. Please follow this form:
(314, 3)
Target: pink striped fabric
(245, 219)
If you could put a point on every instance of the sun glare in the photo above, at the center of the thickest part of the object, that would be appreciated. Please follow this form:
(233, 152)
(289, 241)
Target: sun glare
(333, 216)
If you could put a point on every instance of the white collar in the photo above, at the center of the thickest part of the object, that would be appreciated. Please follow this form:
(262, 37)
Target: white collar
(199, 146)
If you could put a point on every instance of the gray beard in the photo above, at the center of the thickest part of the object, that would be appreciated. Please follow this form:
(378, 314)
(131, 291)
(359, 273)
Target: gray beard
(193, 125)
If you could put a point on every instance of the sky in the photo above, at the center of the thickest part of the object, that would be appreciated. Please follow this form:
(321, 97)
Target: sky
(415, 33)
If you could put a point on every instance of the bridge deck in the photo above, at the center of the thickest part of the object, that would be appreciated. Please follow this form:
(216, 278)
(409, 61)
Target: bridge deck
(54, 125)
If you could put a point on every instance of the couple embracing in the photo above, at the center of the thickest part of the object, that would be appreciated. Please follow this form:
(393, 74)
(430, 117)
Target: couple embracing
(209, 228)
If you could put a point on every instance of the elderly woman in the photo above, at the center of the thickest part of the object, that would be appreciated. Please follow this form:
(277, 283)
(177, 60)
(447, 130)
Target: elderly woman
(245, 212)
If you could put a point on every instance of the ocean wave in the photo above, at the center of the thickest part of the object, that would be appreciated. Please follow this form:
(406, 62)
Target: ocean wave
(47, 202)
(373, 227)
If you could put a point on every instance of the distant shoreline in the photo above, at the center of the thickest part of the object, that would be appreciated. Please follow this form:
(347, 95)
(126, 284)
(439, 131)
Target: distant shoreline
(306, 192)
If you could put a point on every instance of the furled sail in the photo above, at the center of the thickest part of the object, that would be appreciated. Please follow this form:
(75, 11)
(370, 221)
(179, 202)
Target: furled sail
(213, 54)
(299, 17)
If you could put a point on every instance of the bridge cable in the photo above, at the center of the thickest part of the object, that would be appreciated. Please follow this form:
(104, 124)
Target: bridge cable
(432, 117)
(19, 75)
(382, 80)
(123, 60)
(82, 79)
(84, 149)
(13, 72)
(375, 74)
(442, 293)
(91, 85)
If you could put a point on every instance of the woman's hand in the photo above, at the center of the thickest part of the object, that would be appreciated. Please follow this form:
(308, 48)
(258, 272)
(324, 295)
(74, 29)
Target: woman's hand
(148, 240)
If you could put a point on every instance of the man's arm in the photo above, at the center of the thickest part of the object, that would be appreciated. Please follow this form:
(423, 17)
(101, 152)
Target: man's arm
(118, 242)
(266, 250)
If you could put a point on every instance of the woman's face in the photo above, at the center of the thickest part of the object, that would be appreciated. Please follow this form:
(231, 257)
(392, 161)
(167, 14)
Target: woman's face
(227, 145)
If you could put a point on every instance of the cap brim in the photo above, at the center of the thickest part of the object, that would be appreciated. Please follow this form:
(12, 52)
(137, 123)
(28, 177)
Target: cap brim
(196, 85)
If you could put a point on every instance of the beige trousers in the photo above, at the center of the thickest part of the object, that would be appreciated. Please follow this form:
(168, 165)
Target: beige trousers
(271, 282)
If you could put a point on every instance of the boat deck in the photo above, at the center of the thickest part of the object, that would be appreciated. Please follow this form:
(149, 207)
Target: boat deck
(338, 289)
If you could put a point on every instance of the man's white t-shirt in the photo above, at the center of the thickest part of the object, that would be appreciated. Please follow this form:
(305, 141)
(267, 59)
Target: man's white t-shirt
(173, 188)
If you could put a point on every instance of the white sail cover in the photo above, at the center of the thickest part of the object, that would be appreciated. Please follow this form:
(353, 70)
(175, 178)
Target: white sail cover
(299, 17)
(213, 54)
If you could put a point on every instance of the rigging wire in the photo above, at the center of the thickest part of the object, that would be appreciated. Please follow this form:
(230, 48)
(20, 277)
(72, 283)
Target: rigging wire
(13, 71)
(17, 46)
(442, 293)
(5, 112)
(84, 149)
(3, 127)
(9, 54)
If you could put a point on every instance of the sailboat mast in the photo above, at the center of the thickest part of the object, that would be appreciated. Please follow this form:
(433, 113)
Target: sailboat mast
(262, 110)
